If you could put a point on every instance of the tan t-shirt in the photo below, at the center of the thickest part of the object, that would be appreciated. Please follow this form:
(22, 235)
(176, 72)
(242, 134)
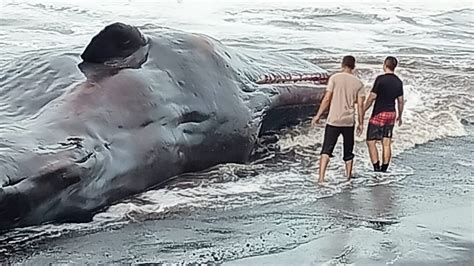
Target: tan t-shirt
(345, 90)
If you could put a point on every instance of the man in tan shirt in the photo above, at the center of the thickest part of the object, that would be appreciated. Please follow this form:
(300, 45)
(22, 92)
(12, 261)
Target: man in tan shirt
(344, 90)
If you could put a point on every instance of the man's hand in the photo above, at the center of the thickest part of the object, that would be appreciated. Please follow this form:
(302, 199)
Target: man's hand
(316, 120)
(401, 103)
(360, 128)
(399, 120)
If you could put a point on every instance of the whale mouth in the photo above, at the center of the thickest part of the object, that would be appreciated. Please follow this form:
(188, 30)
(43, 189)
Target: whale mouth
(296, 101)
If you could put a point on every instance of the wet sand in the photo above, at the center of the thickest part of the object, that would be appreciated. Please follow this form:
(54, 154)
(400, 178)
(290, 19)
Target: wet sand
(433, 238)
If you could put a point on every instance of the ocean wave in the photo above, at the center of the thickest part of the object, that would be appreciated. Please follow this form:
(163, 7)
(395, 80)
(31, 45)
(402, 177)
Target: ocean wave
(408, 20)
(56, 7)
(414, 50)
(305, 18)
(52, 27)
(456, 15)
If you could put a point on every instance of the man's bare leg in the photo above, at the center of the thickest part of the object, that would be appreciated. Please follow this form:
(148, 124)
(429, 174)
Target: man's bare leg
(349, 169)
(323, 164)
(387, 153)
(374, 154)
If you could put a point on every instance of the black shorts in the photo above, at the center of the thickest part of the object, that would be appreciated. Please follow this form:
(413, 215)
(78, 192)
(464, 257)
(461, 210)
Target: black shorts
(379, 132)
(331, 134)
(381, 125)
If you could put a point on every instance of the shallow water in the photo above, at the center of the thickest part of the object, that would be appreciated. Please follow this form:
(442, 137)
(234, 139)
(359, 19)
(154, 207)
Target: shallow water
(237, 211)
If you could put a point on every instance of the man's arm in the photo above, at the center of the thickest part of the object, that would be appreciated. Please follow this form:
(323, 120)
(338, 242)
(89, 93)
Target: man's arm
(360, 112)
(360, 109)
(325, 103)
(372, 95)
(401, 104)
(370, 101)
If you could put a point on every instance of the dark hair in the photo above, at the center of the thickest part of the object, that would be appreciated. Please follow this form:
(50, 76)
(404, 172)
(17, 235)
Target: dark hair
(349, 61)
(391, 62)
(117, 40)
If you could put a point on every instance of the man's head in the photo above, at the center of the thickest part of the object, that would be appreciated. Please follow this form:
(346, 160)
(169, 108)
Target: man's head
(390, 64)
(348, 62)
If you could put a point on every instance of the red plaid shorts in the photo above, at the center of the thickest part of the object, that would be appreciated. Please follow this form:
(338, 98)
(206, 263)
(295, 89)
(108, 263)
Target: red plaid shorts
(383, 119)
